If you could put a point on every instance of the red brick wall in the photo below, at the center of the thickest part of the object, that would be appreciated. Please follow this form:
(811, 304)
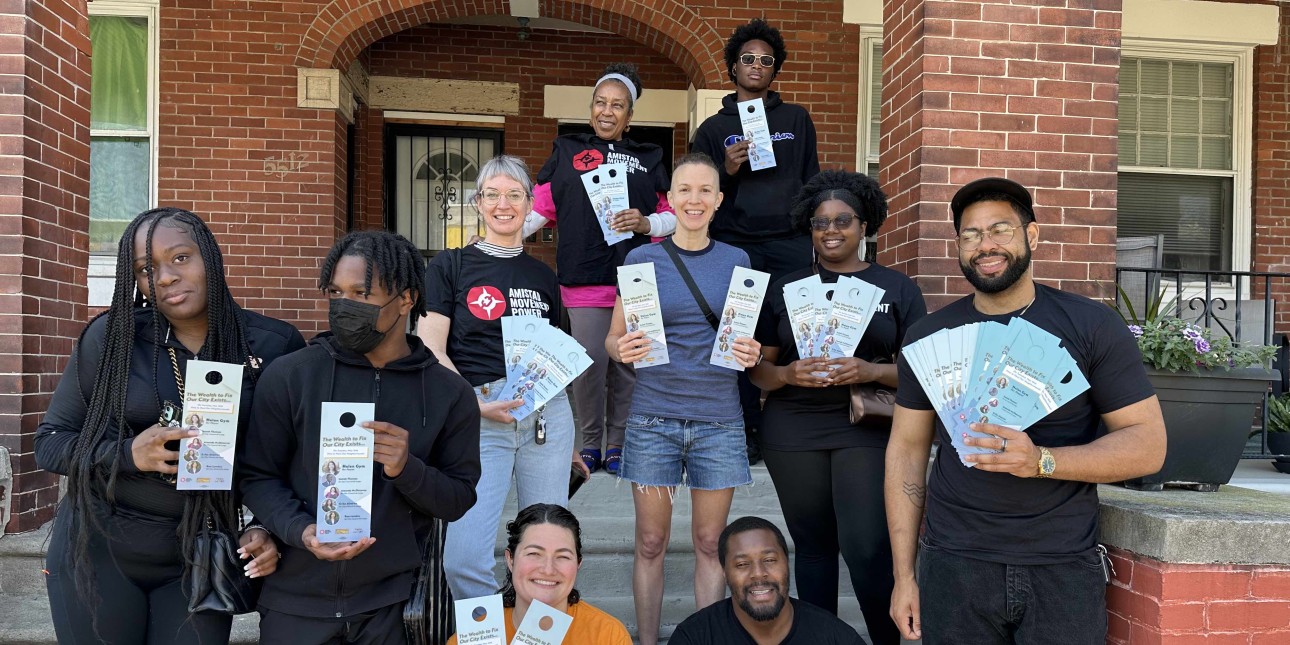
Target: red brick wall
(1159, 602)
(1272, 166)
(44, 207)
(995, 89)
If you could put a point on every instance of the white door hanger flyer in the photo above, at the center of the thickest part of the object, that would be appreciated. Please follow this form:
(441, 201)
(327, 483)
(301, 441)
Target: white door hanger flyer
(542, 625)
(607, 189)
(480, 621)
(212, 396)
(738, 318)
(345, 450)
(639, 290)
(752, 116)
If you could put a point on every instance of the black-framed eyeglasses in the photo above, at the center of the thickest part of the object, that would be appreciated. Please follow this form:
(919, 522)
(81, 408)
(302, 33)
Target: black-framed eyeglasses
(841, 222)
(490, 197)
(766, 60)
(1000, 233)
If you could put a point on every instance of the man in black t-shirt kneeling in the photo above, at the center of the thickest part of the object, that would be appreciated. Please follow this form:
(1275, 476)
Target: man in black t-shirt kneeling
(1010, 552)
(754, 555)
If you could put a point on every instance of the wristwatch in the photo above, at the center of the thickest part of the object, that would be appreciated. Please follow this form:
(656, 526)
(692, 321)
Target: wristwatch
(1046, 464)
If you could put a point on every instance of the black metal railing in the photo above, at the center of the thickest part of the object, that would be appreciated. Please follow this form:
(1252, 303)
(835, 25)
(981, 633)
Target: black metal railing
(1216, 300)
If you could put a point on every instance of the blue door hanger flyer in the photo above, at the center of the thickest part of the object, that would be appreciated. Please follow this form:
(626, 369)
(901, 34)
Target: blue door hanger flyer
(552, 361)
(739, 315)
(607, 189)
(212, 396)
(752, 116)
(345, 472)
(639, 290)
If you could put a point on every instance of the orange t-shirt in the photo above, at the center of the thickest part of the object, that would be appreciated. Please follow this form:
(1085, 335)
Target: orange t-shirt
(590, 626)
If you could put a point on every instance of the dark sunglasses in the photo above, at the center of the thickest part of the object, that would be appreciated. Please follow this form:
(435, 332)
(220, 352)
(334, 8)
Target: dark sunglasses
(841, 222)
(766, 60)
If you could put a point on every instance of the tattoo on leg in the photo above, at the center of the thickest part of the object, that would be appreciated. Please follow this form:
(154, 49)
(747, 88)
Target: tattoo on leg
(915, 493)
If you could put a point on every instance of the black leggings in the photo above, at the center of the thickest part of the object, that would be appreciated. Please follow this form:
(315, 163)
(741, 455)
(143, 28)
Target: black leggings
(832, 501)
(140, 598)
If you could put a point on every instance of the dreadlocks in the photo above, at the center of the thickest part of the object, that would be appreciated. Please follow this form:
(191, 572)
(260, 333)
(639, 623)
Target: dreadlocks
(390, 257)
(106, 406)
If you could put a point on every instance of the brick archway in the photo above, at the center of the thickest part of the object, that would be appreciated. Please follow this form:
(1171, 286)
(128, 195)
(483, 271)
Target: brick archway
(343, 28)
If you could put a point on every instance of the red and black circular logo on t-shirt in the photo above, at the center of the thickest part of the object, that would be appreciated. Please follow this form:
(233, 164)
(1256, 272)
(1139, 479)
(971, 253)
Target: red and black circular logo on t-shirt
(486, 302)
(588, 159)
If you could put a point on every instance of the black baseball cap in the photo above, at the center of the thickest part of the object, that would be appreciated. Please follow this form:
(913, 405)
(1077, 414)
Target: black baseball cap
(998, 185)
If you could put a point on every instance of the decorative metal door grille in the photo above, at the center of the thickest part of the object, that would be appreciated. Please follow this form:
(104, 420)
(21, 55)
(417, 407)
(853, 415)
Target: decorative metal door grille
(430, 177)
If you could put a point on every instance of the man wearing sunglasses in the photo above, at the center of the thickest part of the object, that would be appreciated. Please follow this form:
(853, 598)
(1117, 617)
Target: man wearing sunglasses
(754, 215)
(1009, 551)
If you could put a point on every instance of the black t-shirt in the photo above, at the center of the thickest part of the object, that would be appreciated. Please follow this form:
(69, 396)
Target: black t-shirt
(475, 297)
(1002, 518)
(716, 625)
(801, 418)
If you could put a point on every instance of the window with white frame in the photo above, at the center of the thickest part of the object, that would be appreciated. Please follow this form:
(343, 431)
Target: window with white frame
(871, 61)
(1184, 136)
(123, 125)
(122, 118)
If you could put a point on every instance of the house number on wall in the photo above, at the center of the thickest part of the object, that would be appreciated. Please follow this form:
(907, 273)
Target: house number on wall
(290, 162)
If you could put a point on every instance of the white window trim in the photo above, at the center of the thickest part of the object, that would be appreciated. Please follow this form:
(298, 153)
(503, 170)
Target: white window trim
(1242, 173)
(101, 271)
(870, 38)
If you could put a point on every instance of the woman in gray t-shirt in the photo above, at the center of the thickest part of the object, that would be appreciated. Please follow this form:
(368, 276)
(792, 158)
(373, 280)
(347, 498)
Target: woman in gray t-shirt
(686, 424)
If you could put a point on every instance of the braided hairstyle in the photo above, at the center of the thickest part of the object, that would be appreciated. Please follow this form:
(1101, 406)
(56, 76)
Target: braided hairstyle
(105, 410)
(390, 257)
(531, 516)
(858, 191)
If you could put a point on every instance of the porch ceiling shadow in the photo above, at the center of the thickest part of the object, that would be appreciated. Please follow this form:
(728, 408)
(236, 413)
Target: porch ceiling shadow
(344, 28)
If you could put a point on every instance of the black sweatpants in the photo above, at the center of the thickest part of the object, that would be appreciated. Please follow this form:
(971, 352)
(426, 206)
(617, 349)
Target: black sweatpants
(832, 501)
(382, 626)
(141, 599)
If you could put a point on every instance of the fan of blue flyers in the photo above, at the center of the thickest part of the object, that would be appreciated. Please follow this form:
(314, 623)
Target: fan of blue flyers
(1011, 375)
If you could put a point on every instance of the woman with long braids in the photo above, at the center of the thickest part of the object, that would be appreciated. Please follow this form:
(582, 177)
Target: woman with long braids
(122, 544)
(827, 471)
(587, 266)
(543, 555)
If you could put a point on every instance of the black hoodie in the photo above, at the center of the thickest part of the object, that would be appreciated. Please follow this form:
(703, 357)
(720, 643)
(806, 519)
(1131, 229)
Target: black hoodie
(279, 471)
(756, 204)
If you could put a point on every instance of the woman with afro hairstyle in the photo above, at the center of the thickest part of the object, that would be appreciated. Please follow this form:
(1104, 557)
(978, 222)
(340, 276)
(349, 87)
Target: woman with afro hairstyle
(586, 265)
(122, 547)
(828, 473)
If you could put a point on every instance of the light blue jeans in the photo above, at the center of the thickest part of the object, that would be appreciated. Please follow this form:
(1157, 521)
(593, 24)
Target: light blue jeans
(507, 453)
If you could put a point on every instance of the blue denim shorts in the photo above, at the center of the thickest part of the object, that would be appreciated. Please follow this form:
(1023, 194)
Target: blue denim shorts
(704, 455)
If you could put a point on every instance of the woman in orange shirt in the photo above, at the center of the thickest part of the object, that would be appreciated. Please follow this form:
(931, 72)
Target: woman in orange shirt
(543, 554)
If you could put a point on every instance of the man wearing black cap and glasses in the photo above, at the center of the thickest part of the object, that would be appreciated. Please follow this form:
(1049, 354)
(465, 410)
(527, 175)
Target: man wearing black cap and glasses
(1009, 554)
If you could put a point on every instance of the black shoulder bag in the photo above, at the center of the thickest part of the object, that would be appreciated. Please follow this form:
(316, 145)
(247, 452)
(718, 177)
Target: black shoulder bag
(689, 282)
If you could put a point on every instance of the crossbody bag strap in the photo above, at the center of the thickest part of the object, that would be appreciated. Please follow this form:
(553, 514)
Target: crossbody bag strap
(689, 282)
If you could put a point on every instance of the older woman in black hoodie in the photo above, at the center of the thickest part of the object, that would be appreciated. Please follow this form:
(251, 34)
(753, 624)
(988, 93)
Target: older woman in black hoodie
(426, 449)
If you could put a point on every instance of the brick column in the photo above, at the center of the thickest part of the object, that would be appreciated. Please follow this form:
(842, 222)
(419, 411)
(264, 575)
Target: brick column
(44, 207)
(1272, 168)
(974, 89)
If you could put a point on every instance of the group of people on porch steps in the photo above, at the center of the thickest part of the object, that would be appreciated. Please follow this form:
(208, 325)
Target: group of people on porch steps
(996, 547)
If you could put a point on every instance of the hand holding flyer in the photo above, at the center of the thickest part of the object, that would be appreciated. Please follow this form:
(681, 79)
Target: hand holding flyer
(752, 116)
(739, 315)
(607, 189)
(550, 363)
(345, 449)
(639, 291)
(212, 396)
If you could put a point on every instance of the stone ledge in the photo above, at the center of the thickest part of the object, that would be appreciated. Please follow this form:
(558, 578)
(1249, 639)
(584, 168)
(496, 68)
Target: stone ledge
(1231, 526)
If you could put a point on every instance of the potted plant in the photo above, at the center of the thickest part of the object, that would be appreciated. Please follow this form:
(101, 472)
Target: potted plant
(1279, 431)
(1208, 389)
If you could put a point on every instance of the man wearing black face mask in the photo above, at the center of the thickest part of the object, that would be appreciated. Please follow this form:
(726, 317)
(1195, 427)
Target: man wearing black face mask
(426, 450)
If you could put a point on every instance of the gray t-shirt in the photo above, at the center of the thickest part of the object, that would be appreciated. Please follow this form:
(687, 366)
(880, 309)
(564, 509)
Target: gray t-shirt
(689, 387)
